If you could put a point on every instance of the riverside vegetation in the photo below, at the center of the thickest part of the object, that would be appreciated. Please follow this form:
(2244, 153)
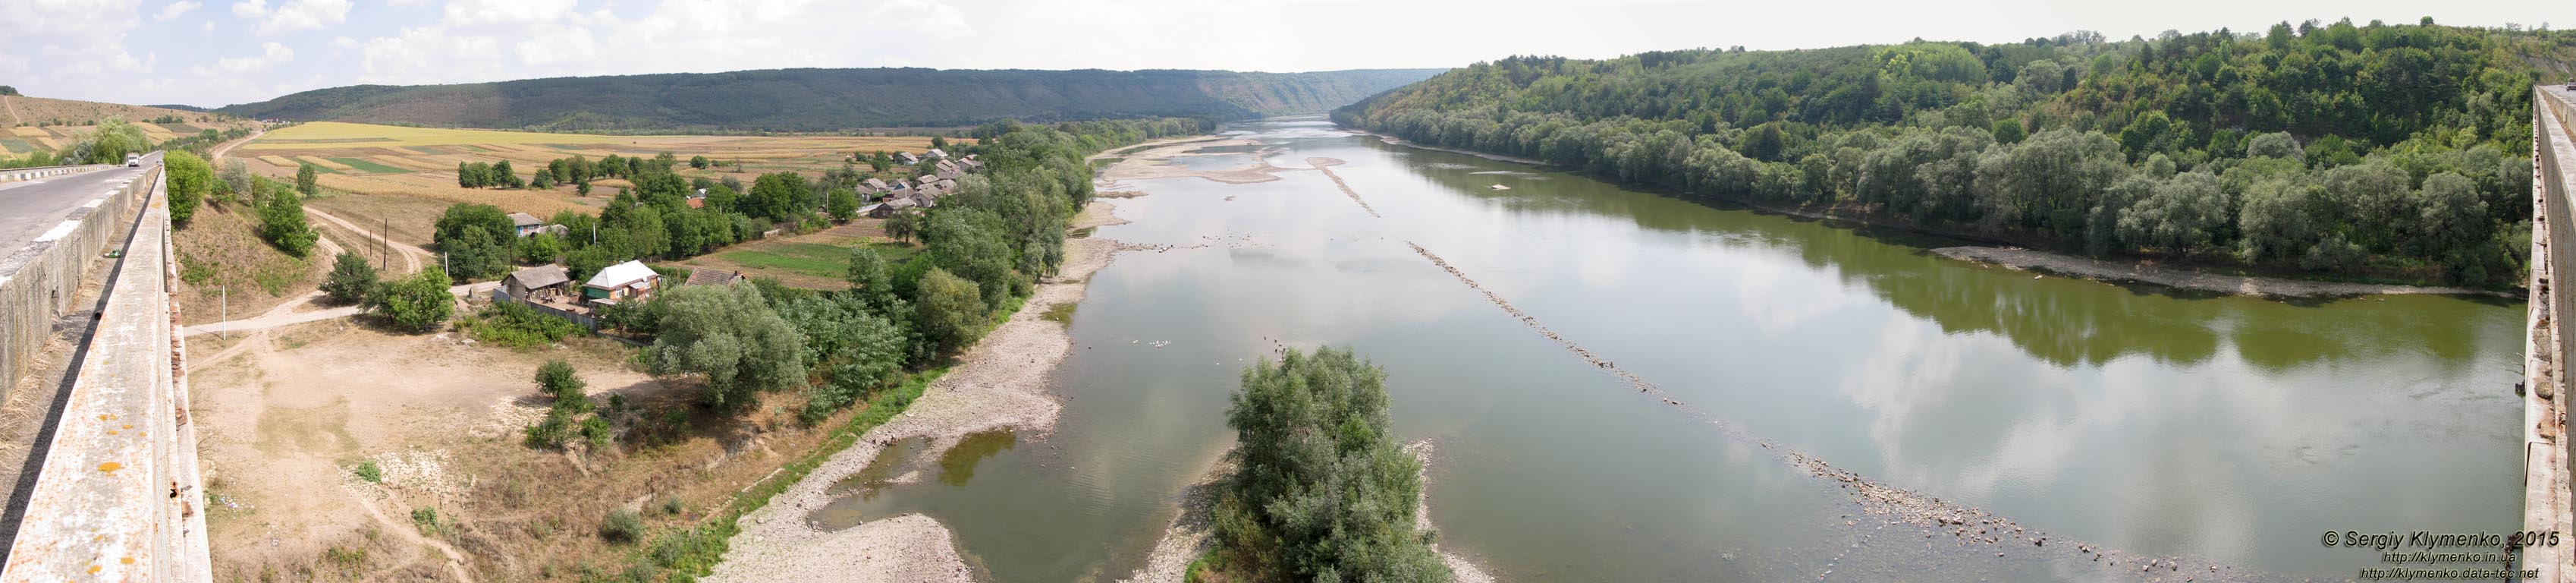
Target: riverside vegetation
(2381, 151)
(880, 341)
(1320, 491)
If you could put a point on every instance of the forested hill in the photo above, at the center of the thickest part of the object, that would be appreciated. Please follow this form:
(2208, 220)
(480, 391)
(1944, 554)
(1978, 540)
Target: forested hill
(832, 99)
(2383, 151)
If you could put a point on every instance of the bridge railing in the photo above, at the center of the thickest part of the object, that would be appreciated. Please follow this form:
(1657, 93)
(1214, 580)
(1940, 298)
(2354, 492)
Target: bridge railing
(2546, 447)
(119, 496)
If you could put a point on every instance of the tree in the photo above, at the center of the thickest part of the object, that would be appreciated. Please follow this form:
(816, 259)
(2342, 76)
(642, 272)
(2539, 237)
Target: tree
(843, 205)
(352, 280)
(557, 379)
(503, 176)
(2180, 215)
(698, 162)
(1321, 491)
(306, 181)
(728, 336)
(236, 178)
(191, 179)
(2274, 145)
(778, 196)
(937, 142)
(903, 225)
(418, 302)
(282, 223)
(950, 311)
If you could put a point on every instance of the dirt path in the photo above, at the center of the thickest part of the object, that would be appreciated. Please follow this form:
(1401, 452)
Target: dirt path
(217, 154)
(455, 560)
(13, 110)
(2185, 278)
(412, 257)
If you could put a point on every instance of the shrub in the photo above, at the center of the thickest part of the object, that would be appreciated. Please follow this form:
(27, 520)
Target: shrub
(418, 303)
(368, 471)
(352, 279)
(516, 325)
(622, 526)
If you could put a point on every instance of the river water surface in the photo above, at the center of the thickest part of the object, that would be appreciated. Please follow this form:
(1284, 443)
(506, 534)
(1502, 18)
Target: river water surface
(2228, 431)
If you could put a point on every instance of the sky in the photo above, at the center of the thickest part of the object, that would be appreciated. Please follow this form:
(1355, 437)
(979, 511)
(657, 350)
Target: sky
(218, 52)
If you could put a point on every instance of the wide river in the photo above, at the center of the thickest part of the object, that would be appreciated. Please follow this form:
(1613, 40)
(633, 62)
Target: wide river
(2224, 430)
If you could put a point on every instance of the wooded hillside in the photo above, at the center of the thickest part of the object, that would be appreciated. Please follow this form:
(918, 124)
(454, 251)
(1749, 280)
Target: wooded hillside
(832, 99)
(2382, 151)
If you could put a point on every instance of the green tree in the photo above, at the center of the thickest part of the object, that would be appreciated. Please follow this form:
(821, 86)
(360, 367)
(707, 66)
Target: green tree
(903, 225)
(352, 280)
(843, 205)
(698, 162)
(1321, 491)
(418, 302)
(778, 196)
(306, 182)
(950, 311)
(727, 335)
(282, 223)
(190, 180)
(557, 379)
(236, 179)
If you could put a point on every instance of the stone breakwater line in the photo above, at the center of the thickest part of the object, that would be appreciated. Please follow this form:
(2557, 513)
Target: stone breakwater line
(1642, 385)
(1325, 165)
(1968, 525)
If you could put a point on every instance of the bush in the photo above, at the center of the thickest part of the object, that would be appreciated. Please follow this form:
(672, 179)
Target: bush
(417, 303)
(368, 471)
(950, 310)
(190, 179)
(352, 279)
(622, 526)
(516, 325)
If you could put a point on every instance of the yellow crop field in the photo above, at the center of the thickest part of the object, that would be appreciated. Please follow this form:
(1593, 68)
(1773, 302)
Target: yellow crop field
(32, 132)
(429, 157)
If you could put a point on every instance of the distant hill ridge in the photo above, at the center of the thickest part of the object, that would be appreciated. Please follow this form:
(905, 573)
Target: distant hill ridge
(832, 99)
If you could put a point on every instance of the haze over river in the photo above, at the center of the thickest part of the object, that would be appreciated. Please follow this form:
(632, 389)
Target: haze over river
(2224, 430)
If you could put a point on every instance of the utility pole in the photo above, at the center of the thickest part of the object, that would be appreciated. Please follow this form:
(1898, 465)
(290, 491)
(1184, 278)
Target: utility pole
(385, 246)
(224, 306)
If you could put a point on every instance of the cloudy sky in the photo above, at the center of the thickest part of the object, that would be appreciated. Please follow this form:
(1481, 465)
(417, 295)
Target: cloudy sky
(218, 52)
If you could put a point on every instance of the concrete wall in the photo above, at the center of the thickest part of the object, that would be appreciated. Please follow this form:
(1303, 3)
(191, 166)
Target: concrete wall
(37, 282)
(17, 174)
(120, 497)
(2546, 448)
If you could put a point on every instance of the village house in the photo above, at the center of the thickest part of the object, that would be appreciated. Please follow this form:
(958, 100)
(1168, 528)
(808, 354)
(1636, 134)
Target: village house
(526, 224)
(890, 207)
(874, 186)
(538, 284)
(906, 158)
(934, 154)
(623, 282)
(948, 169)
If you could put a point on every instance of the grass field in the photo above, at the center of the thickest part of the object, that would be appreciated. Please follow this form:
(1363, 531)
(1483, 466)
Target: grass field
(814, 261)
(421, 162)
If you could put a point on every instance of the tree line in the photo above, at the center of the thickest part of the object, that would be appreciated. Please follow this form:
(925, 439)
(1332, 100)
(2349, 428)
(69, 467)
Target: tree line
(2386, 151)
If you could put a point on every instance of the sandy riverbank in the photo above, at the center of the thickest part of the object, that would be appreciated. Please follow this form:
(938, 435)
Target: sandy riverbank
(1396, 141)
(1000, 383)
(2026, 259)
(1191, 533)
(1156, 162)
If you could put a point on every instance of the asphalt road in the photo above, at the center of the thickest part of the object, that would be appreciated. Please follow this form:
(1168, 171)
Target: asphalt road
(28, 209)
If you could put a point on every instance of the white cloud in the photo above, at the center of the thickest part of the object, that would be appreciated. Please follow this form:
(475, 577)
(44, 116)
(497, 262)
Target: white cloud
(271, 54)
(175, 9)
(482, 12)
(292, 15)
(429, 55)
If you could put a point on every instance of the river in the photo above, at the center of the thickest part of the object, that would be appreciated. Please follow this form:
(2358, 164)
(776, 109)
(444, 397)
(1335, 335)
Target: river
(2225, 430)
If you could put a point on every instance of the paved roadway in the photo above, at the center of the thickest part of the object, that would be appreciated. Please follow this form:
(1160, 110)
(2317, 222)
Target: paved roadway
(30, 208)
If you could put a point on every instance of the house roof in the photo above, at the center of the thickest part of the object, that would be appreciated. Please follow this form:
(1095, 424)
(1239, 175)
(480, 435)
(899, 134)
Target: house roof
(935, 153)
(525, 220)
(875, 184)
(540, 276)
(708, 276)
(621, 274)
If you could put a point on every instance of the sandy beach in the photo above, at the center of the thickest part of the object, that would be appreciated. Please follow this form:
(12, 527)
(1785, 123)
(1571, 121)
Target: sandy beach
(2026, 259)
(1000, 383)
